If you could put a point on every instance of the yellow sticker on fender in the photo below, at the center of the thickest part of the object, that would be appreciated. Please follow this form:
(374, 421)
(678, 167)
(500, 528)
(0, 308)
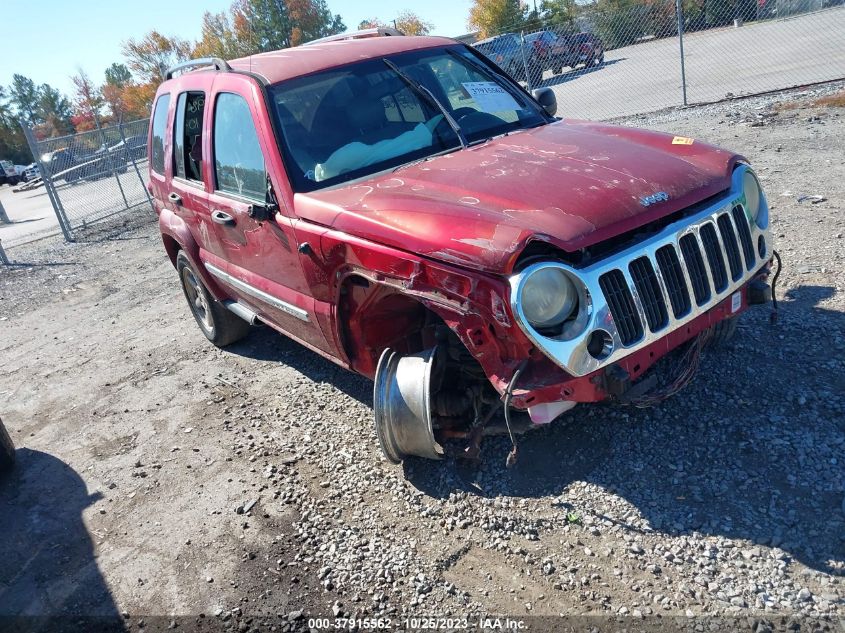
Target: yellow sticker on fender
(682, 140)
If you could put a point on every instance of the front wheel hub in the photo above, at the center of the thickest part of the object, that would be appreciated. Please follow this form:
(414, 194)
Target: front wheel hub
(402, 402)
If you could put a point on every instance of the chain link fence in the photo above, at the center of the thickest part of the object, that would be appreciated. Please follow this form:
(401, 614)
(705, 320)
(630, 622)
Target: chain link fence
(614, 58)
(94, 175)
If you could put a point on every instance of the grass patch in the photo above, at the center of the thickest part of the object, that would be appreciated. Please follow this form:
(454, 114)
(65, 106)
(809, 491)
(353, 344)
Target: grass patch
(836, 100)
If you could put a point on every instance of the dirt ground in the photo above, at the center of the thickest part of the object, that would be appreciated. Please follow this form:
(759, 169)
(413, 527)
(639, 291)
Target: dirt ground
(160, 476)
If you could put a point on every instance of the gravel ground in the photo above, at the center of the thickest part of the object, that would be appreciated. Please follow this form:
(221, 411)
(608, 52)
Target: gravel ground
(143, 449)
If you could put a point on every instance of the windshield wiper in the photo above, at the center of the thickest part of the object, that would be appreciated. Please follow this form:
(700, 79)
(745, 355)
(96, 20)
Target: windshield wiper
(417, 161)
(429, 96)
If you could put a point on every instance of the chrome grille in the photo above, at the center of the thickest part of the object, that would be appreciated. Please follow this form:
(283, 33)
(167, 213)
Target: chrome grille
(713, 250)
(662, 281)
(618, 297)
(651, 296)
(731, 248)
(741, 224)
(695, 269)
(673, 277)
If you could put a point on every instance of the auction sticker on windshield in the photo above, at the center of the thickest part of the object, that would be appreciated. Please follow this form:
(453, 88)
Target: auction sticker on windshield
(490, 96)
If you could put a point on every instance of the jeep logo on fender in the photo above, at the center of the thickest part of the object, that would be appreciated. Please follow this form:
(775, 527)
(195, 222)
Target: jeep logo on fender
(660, 196)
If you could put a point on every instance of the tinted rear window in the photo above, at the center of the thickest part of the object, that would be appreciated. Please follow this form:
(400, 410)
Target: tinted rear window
(159, 128)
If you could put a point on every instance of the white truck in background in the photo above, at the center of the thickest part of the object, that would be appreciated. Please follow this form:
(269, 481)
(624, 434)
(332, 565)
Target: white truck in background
(9, 173)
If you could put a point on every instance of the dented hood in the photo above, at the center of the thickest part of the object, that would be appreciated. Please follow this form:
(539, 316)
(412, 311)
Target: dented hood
(572, 184)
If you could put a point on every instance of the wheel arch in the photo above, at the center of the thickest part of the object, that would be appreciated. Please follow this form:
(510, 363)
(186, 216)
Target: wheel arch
(176, 237)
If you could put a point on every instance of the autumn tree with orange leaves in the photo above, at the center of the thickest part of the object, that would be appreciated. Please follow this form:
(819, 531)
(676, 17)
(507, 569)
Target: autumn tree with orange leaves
(406, 21)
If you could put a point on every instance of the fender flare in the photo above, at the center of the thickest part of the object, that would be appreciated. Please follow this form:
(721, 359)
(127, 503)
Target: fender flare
(177, 236)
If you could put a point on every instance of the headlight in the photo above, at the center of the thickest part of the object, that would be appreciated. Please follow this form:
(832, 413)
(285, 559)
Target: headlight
(548, 297)
(753, 195)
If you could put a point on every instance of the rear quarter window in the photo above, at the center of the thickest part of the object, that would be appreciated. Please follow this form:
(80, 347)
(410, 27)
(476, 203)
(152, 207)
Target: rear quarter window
(159, 130)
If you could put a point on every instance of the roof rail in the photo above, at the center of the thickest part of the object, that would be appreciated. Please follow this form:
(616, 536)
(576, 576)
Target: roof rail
(382, 31)
(216, 62)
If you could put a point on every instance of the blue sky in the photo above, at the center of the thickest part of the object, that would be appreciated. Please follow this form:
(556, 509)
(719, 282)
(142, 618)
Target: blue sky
(50, 39)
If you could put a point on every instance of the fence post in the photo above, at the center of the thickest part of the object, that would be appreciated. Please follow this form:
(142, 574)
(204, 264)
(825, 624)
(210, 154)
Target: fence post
(679, 9)
(47, 179)
(134, 164)
(524, 61)
(3, 259)
(4, 219)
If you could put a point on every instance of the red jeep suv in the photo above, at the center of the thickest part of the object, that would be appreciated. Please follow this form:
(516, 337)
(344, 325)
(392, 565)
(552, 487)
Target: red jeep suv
(405, 209)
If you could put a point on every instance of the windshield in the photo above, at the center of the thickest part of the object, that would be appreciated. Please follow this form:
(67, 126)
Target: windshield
(356, 120)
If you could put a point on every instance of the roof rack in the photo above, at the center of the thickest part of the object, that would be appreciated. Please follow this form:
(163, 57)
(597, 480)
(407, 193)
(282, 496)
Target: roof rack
(382, 31)
(215, 62)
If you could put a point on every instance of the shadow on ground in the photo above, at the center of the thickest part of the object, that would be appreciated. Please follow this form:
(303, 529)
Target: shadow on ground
(48, 568)
(265, 344)
(575, 73)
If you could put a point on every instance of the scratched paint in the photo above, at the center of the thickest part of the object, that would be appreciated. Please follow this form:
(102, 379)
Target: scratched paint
(575, 183)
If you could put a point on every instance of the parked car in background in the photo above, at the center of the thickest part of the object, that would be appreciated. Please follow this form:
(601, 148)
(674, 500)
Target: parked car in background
(576, 49)
(508, 52)
(464, 248)
(133, 148)
(59, 163)
(32, 171)
(9, 174)
(546, 47)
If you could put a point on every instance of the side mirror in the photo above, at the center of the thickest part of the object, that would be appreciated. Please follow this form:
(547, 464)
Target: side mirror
(546, 98)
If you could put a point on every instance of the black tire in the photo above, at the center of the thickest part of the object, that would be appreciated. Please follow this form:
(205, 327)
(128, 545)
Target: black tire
(557, 70)
(220, 326)
(722, 333)
(7, 450)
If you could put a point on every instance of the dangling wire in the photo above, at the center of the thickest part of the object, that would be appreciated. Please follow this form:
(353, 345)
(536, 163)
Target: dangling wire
(774, 317)
(511, 459)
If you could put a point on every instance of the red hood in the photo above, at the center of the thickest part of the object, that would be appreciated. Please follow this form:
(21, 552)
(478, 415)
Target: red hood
(572, 184)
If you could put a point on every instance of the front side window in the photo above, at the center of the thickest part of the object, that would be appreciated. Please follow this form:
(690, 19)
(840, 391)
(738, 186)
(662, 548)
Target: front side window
(238, 159)
(352, 121)
(159, 130)
(187, 136)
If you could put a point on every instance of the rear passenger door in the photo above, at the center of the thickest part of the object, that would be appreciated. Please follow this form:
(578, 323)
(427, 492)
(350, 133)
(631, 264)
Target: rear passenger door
(188, 194)
(263, 261)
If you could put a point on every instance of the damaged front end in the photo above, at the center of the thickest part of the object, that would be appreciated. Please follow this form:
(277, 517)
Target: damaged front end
(584, 332)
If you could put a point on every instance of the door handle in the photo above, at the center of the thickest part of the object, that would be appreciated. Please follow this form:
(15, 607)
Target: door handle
(221, 217)
(175, 198)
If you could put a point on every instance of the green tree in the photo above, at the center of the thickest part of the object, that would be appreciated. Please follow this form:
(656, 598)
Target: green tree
(118, 75)
(54, 113)
(13, 145)
(267, 25)
(23, 95)
(558, 14)
(261, 25)
(621, 22)
(219, 38)
(491, 17)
